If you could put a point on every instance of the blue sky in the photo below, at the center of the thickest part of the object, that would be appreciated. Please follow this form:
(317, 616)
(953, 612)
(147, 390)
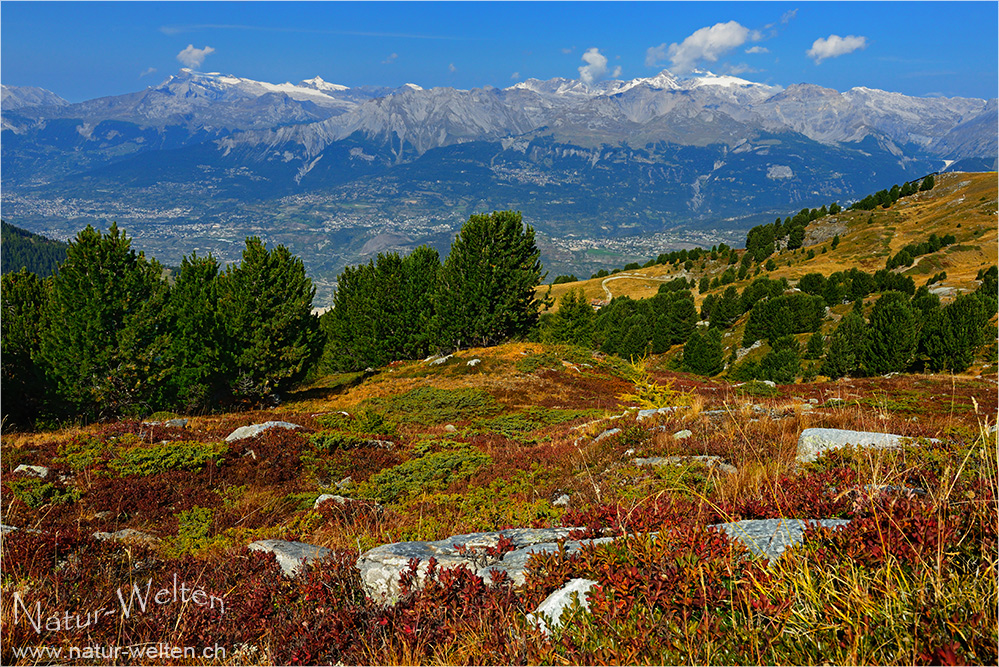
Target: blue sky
(82, 50)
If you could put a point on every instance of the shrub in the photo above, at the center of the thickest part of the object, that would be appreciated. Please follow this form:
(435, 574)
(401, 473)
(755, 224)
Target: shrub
(432, 472)
(429, 405)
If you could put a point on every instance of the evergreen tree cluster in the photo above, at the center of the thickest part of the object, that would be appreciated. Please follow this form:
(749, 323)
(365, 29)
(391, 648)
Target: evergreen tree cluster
(108, 336)
(885, 198)
(31, 252)
(907, 255)
(404, 307)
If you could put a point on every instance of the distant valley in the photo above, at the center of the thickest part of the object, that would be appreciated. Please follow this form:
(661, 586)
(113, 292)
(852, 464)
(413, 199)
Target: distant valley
(608, 173)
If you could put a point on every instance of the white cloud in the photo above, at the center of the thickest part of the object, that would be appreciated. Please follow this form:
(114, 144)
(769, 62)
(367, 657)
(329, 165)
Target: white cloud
(515, 76)
(451, 68)
(568, 50)
(757, 49)
(789, 16)
(835, 46)
(193, 57)
(147, 72)
(391, 59)
(708, 43)
(595, 67)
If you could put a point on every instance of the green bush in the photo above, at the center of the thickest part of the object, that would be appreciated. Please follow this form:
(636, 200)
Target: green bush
(431, 472)
(194, 527)
(364, 421)
(35, 492)
(429, 405)
(518, 425)
(145, 460)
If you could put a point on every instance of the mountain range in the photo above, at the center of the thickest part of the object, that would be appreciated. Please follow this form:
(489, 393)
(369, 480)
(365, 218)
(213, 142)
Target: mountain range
(338, 173)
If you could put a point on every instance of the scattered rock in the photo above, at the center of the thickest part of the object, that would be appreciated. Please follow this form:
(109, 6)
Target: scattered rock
(629, 452)
(606, 434)
(711, 462)
(771, 537)
(561, 501)
(654, 412)
(257, 429)
(450, 428)
(4, 529)
(380, 444)
(380, 567)
(474, 362)
(172, 423)
(683, 435)
(769, 383)
(127, 535)
(344, 483)
(548, 615)
(291, 556)
(813, 401)
(104, 516)
(34, 471)
(815, 441)
(437, 361)
(340, 500)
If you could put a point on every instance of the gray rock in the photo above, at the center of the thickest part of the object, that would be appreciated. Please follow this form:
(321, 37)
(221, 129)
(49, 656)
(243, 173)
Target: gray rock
(127, 535)
(815, 441)
(474, 362)
(257, 429)
(711, 462)
(380, 567)
(769, 383)
(771, 537)
(4, 529)
(654, 412)
(549, 614)
(813, 401)
(683, 435)
(291, 556)
(450, 428)
(561, 501)
(176, 423)
(380, 444)
(629, 452)
(344, 483)
(606, 434)
(340, 500)
(34, 471)
(440, 360)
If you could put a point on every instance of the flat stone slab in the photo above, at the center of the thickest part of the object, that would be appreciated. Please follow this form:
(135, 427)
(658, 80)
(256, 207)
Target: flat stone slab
(35, 471)
(381, 567)
(771, 537)
(813, 442)
(606, 434)
(548, 615)
(655, 412)
(711, 462)
(127, 535)
(257, 429)
(291, 556)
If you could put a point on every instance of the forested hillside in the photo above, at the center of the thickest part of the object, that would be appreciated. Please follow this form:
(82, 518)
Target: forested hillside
(23, 250)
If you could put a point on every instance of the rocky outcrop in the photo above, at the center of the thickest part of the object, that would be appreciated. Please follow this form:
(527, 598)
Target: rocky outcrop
(813, 442)
(548, 615)
(127, 535)
(710, 462)
(257, 429)
(291, 556)
(771, 537)
(34, 471)
(479, 552)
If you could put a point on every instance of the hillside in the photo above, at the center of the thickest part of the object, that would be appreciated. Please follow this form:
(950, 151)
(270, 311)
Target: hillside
(962, 204)
(22, 249)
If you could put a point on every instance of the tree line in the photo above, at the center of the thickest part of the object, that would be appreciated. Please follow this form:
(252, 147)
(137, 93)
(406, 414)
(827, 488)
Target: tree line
(24, 250)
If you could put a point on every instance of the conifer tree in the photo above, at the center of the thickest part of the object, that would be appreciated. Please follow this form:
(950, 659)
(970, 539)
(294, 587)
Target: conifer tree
(266, 304)
(486, 289)
(846, 347)
(892, 336)
(23, 298)
(574, 321)
(703, 354)
(100, 293)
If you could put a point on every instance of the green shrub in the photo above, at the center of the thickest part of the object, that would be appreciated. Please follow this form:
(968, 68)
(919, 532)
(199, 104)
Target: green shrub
(35, 492)
(518, 425)
(194, 527)
(145, 460)
(432, 472)
(366, 421)
(429, 405)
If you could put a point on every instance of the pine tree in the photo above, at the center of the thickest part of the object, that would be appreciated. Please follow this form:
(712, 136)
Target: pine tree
(100, 292)
(816, 345)
(846, 347)
(22, 302)
(703, 353)
(573, 322)
(487, 282)
(892, 336)
(266, 303)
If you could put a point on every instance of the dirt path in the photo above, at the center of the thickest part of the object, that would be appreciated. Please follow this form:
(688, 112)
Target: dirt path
(634, 276)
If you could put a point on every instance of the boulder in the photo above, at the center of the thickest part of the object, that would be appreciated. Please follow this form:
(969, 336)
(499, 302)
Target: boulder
(291, 556)
(339, 500)
(127, 535)
(683, 435)
(34, 471)
(561, 501)
(473, 362)
(771, 537)
(4, 529)
(381, 567)
(548, 615)
(606, 434)
(815, 441)
(257, 429)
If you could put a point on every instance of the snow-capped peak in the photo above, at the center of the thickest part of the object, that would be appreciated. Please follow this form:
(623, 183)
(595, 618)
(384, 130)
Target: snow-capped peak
(703, 78)
(319, 84)
(662, 81)
(412, 86)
